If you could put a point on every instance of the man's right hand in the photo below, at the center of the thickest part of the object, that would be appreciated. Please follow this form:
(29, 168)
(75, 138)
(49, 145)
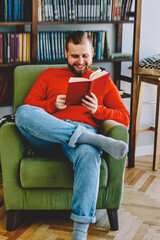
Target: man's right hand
(60, 102)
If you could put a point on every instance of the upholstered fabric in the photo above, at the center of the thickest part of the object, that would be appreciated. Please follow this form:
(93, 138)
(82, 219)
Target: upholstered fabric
(149, 65)
(38, 172)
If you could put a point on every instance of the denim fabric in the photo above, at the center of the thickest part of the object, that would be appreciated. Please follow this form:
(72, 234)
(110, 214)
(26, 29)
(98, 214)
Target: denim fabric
(42, 130)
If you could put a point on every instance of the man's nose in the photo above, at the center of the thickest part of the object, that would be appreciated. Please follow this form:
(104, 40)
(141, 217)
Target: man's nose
(80, 60)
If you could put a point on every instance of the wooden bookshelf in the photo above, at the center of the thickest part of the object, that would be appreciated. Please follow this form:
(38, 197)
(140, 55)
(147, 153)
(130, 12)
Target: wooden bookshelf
(134, 60)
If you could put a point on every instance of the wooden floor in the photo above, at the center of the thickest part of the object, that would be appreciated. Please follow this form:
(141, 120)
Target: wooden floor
(139, 215)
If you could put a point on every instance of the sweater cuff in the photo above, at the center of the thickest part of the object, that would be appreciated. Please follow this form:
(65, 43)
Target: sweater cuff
(99, 112)
(51, 105)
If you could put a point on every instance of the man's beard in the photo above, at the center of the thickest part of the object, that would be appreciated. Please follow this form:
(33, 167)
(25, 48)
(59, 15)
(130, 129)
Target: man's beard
(79, 73)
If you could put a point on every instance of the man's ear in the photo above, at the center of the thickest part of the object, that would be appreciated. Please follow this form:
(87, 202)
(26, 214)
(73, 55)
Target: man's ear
(92, 52)
(66, 53)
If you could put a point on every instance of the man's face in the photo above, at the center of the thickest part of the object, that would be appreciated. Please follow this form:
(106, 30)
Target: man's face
(79, 57)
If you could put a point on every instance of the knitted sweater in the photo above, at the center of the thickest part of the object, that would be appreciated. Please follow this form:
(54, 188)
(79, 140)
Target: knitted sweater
(54, 81)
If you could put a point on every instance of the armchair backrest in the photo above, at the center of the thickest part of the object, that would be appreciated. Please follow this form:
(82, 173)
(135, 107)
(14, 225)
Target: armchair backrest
(24, 78)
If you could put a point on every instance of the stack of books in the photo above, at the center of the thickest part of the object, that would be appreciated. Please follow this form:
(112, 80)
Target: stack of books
(51, 46)
(14, 47)
(83, 10)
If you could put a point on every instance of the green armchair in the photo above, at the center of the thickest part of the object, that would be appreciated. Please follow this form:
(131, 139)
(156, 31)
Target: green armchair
(32, 182)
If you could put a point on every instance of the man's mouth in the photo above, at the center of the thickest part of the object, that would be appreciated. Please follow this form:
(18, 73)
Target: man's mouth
(80, 66)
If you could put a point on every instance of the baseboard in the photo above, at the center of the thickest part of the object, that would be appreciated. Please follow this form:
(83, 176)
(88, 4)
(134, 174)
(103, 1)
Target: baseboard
(144, 150)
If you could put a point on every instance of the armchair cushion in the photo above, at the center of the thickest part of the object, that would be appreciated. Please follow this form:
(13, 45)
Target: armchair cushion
(38, 172)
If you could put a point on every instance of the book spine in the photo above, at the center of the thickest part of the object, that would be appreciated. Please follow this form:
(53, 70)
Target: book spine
(56, 45)
(99, 41)
(69, 11)
(22, 10)
(44, 46)
(1, 48)
(53, 46)
(5, 10)
(55, 8)
(42, 10)
(10, 10)
(8, 47)
(20, 47)
(16, 47)
(39, 11)
(5, 47)
(41, 47)
(12, 47)
(28, 45)
(16, 10)
(51, 9)
(24, 47)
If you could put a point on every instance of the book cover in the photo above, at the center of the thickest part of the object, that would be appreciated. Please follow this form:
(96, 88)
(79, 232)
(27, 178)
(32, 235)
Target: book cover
(79, 87)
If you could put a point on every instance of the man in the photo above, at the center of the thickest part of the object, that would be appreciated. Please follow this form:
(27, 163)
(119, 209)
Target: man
(45, 119)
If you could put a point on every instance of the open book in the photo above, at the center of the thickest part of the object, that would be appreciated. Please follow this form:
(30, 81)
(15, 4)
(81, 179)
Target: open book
(78, 87)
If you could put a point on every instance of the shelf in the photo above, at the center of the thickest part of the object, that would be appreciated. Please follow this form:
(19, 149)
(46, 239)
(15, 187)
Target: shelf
(6, 65)
(14, 23)
(84, 22)
(126, 95)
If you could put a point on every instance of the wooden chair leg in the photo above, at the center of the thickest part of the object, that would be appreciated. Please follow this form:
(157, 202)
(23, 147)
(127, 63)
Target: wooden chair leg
(15, 218)
(113, 219)
(157, 133)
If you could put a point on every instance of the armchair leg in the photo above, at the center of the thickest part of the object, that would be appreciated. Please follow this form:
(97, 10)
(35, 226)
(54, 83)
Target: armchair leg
(14, 219)
(113, 218)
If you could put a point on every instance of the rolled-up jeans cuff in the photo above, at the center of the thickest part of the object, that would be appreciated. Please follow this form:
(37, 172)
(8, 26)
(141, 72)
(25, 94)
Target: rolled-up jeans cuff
(77, 133)
(83, 219)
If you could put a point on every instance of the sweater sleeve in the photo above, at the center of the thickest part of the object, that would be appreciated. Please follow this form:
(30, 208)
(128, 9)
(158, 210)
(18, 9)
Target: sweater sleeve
(113, 107)
(38, 96)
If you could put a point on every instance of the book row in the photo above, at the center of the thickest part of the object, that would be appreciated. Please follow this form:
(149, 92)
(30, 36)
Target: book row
(14, 47)
(83, 10)
(51, 46)
(15, 10)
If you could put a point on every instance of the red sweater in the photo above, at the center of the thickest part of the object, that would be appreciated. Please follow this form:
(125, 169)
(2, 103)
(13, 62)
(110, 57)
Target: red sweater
(54, 81)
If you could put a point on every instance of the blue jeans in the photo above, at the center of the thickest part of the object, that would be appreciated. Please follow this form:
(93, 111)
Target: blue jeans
(43, 130)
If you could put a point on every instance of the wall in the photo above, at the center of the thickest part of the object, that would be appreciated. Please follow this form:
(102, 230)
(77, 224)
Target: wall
(149, 45)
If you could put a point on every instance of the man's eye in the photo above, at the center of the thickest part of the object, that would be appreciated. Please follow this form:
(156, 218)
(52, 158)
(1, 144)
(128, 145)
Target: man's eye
(85, 56)
(74, 56)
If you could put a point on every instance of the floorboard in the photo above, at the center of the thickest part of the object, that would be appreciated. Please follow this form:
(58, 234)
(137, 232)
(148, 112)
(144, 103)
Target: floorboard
(139, 214)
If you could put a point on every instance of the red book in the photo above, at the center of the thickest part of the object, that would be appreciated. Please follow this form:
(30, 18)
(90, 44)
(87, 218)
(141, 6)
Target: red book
(78, 87)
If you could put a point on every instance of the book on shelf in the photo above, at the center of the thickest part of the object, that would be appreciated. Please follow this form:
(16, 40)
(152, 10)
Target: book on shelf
(1, 48)
(79, 87)
(120, 55)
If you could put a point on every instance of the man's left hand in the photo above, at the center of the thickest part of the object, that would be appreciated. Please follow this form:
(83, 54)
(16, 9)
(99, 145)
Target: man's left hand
(91, 103)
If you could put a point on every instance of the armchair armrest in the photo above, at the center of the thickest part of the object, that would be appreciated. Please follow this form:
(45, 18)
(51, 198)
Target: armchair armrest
(12, 152)
(116, 168)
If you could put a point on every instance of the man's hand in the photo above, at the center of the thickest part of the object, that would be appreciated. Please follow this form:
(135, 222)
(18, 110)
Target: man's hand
(60, 102)
(91, 103)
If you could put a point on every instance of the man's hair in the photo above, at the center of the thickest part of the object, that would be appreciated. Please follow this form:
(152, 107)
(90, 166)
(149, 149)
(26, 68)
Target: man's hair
(78, 37)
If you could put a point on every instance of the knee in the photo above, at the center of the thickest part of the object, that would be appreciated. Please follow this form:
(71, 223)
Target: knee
(89, 154)
(22, 114)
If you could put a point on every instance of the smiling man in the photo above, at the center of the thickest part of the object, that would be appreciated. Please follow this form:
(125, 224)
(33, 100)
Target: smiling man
(45, 119)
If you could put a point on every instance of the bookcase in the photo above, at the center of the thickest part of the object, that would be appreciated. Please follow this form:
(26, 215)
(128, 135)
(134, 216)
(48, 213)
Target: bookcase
(31, 23)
